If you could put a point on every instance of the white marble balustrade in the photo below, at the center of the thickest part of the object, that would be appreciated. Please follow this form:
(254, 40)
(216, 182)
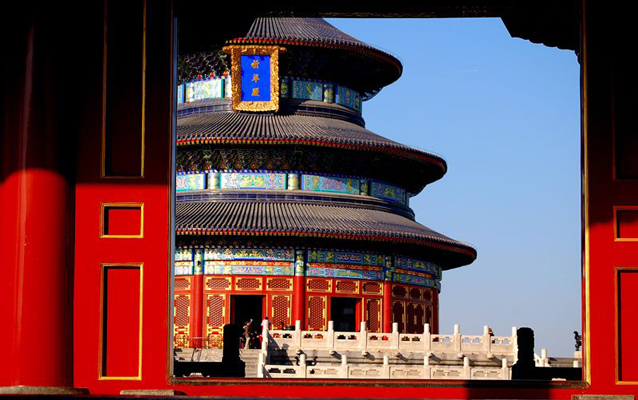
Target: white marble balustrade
(464, 348)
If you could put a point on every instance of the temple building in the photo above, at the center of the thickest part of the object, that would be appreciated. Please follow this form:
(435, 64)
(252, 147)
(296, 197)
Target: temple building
(287, 207)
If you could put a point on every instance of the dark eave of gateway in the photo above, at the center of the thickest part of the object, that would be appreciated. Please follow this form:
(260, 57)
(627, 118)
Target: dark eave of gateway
(268, 129)
(316, 32)
(231, 218)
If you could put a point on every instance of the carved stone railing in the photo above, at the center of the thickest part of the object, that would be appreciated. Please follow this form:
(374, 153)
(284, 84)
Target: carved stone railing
(463, 348)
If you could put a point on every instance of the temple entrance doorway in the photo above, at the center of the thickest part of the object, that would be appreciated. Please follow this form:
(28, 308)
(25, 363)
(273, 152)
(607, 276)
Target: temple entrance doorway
(244, 308)
(343, 312)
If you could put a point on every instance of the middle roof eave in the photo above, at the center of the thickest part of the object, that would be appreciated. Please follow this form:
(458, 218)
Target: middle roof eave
(247, 128)
(312, 220)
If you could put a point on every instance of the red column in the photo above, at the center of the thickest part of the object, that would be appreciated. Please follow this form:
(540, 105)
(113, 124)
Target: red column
(387, 306)
(435, 312)
(35, 238)
(198, 300)
(299, 289)
(387, 295)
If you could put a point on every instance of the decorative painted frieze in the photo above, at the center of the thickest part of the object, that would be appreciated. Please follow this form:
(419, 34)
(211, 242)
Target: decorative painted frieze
(259, 181)
(329, 184)
(250, 254)
(417, 280)
(346, 257)
(307, 90)
(184, 255)
(418, 265)
(183, 267)
(387, 192)
(311, 263)
(257, 87)
(348, 97)
(247, 267)
(185, 182)
(343, 273)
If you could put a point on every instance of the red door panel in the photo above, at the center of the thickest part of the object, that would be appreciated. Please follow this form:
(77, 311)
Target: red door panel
(123, 198)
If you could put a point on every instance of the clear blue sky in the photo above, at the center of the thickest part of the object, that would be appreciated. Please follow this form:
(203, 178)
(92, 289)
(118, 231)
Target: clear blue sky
(504, 113)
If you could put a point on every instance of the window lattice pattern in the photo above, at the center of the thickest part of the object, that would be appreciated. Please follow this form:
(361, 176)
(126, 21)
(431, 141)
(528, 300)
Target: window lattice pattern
(427, 295)
(280, 310)
(428, 317)
(248, 284)
(182, 310)
(399, 291)
(318, 285)
(414, 318)
(398, 314)
(218, 283)
(415, 294)
(347, 286)
(182, 284)
(316, 313)
(215, 310)
(371, 288)
(374, 320)
(278, 284)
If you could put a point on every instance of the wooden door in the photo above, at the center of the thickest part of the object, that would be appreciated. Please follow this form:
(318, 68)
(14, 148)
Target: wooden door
(124, 196)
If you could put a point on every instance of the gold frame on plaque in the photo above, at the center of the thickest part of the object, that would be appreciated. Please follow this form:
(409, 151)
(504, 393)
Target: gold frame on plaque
(235, 58)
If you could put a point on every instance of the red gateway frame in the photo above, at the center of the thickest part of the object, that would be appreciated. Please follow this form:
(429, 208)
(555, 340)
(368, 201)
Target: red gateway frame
(78, 161)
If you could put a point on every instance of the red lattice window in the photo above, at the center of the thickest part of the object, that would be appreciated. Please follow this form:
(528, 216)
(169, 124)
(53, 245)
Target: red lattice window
(428, 317)
(218, 283)
(373, 309)
(182, 310)
(316, 313)
(347, 286)
(278, 284)
(415, 294)
(399, 291)
(372, 288)
(318, 285)
(280, 310)
(427, 295)
(419, 314)
(248, 283)
(410, 318)
(215, 311)
(398, 311)
(182, 284)
(415, 317)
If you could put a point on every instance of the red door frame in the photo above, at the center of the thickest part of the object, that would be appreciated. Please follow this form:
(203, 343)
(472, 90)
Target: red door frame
(603, 255)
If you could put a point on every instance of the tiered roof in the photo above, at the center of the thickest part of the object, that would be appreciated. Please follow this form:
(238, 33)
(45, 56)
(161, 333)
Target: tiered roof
(313, 123)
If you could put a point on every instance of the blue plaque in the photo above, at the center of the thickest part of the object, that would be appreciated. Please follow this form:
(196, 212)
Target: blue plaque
(255, 78)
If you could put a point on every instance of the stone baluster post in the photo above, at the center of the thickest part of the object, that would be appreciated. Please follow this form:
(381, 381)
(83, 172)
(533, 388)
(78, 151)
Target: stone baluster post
(487, 339)
(427, 338)
(466, 368)
(331, 335)
(457, 337)
(386, 366)
(344, 366)
(505, 371)
(363, 340)
(395, 335)
(297, 337)
(261, 365)
(302, 365)
(427, 370)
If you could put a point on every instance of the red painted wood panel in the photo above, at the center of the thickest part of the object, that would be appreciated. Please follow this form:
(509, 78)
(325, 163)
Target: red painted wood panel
(627, 314)
(124, 97)
(626, 224)
(122, 221)
(153, 190)
(121, 324)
